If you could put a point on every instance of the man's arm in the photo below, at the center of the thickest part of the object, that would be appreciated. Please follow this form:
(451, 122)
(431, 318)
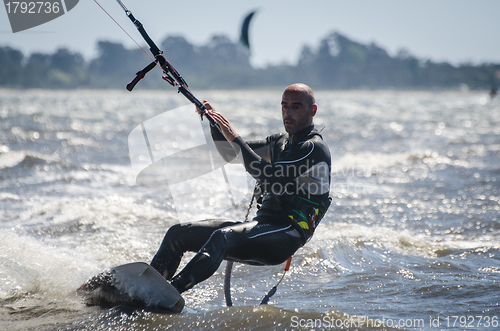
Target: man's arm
(227, 151)
(283, 171)
(222, 137)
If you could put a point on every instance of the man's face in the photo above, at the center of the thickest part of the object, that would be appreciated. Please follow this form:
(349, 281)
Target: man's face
(295, 110)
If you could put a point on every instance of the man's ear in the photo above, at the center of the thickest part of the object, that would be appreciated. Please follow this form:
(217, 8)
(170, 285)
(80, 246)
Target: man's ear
(314, 108)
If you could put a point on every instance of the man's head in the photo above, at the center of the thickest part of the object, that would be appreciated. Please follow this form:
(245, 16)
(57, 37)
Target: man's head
(298, 107)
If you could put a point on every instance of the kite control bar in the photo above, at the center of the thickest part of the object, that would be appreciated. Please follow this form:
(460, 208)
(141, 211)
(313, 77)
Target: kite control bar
(171, 75)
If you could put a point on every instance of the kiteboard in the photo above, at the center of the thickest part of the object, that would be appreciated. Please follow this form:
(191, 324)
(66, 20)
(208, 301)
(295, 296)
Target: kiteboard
(136, 285)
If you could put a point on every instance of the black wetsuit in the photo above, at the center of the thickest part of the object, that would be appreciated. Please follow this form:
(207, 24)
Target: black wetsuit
(293, 173)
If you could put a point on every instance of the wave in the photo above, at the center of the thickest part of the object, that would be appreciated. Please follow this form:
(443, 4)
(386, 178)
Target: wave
(366, 164)
(115, 221)
(28, 160)
(234, 318)
(347, 248)
(29, 168)
(30, 266)
(266, 317)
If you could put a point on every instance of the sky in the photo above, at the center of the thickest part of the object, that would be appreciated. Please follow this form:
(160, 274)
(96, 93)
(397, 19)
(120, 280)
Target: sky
(456, 31)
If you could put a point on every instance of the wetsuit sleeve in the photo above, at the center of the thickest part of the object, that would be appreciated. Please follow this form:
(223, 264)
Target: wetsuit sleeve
(228, 152)
(283, 171)
(224, 148)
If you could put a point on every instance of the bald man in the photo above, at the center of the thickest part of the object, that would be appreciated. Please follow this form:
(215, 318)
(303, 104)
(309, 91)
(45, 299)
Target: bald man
(292, 171)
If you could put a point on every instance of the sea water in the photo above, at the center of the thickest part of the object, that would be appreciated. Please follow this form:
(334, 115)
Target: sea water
(411, 240)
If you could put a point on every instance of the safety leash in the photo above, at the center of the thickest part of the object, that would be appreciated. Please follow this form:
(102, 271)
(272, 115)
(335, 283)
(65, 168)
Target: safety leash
(229, 265)
(275, 287)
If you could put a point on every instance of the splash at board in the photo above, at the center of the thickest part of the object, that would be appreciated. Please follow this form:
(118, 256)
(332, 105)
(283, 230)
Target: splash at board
(134, 285)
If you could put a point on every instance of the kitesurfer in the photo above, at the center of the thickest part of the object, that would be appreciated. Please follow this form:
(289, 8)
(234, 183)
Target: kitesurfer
(292, 171)
(493, 91)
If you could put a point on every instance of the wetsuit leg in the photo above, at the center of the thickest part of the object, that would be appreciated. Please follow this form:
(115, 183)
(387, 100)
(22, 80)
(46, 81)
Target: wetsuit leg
(181, 238)
(255, 242)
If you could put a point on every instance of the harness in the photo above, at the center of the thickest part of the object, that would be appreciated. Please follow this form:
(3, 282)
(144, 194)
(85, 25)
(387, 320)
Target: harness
(307, 214)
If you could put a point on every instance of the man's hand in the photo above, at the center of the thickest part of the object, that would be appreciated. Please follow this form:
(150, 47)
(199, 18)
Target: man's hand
(226, 127)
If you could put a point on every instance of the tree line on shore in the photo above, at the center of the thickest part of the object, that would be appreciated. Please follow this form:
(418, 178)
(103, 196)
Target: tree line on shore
(338, 63)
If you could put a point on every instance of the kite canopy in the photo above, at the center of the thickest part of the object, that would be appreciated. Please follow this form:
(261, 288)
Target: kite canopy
(244, 30)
